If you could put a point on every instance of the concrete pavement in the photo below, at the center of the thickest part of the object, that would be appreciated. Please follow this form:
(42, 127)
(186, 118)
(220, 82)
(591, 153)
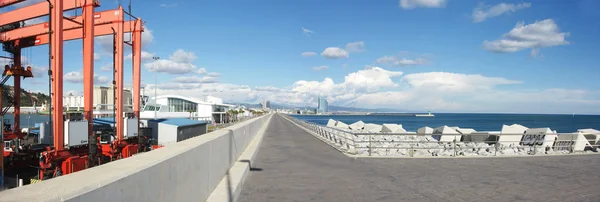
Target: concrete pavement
(292, 165)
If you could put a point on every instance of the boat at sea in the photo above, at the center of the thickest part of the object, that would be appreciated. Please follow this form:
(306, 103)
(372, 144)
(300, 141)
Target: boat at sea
(400, 114)
(429, 114)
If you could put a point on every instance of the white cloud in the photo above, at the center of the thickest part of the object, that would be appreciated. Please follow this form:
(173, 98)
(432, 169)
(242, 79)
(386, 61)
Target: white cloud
(169, 66)
(146, 56)
(532, 36)
(74, 77)
(371, 79)
(482, 12)
(96, 56)
(39, 72)
(267, 89)
(77, 77)
(323, 67)
(183, 56)
(201, 71)
(307, 32)
(106, 42)
(195, 79)
(99, 80)
(6, 61)
(168, 5)
(180, 62)
(107, 68)
(410, 4)
(213, 74)
(308, 54)
(354, 47)
(334, 53)
(393, 60)
(452, 82)
(376, 87)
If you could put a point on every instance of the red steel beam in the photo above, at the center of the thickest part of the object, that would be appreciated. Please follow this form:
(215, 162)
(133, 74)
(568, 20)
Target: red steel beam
(57, 74)
(103, 17)
(137, 64)
(4, 3)
(89, 18)
(73, 34)
(17, 92)
(119, 42)
(38, 10)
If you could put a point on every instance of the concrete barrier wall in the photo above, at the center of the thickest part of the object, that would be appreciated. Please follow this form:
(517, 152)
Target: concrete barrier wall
(184, 171)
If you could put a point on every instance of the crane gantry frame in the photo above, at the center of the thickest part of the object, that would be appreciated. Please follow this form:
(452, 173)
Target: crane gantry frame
(55, 32)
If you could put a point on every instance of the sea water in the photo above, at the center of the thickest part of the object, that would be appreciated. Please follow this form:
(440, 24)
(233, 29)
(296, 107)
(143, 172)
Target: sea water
(479, 122)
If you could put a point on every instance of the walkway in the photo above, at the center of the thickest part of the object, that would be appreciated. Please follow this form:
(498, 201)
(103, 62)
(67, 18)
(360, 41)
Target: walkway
(292, 165)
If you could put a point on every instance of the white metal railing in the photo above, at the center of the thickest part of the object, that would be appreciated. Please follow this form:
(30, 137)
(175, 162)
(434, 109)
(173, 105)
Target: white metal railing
(455, 145)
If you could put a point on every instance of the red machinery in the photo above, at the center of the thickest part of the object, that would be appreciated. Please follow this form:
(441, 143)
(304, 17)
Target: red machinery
(64, 159)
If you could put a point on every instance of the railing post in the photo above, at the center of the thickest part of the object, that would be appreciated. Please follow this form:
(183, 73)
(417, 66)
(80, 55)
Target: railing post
(370, 144)
(573, 143)
(454, 142)
(496, 145)
(354, 142)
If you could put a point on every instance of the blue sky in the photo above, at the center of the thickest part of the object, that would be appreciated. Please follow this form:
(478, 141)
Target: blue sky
(442, 55)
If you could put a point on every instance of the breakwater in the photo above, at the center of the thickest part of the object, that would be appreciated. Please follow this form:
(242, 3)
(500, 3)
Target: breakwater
(367, 139)
(562, 123)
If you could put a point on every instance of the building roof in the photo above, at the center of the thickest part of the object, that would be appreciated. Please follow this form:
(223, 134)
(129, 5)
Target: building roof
(182, 122)
(191, 99)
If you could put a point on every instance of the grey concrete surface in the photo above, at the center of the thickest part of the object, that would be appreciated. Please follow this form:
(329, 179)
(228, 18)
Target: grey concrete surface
(295, 166)
(184, 171)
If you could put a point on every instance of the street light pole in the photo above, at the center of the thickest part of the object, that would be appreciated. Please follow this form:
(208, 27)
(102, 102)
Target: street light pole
(155, 91)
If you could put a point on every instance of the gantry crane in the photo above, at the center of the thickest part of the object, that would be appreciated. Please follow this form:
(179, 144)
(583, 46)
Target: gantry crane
(60, 159)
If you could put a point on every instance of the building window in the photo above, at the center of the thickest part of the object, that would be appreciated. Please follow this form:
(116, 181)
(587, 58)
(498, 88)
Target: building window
(179, 105)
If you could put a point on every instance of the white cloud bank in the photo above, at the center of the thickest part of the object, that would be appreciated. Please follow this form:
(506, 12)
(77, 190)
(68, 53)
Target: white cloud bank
(532, 36)
(375, 87)
(482, 12)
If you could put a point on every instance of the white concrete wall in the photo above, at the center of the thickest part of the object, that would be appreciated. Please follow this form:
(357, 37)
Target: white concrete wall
(185, 171)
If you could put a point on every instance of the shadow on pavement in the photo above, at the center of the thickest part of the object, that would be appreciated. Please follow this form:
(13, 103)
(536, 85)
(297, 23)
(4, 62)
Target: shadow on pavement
(250, 164)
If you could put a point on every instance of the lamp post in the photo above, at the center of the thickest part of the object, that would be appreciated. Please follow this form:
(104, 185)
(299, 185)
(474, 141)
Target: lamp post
(155, 87)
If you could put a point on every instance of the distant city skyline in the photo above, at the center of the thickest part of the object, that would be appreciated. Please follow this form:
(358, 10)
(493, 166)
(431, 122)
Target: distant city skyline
(504, 56)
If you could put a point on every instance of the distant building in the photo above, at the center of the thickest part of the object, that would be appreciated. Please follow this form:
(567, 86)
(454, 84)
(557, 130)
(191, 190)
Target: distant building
(265, 105)
(103, 100)
(322, 106)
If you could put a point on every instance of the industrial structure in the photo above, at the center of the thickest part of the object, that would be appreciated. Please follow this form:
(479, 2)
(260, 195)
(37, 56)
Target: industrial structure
(78, 142)
(103, 99)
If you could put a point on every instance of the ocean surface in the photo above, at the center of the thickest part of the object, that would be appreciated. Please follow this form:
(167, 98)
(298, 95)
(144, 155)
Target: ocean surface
(479, 122)
(27, 120)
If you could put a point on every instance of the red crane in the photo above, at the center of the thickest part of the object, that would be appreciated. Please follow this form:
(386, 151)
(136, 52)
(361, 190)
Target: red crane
(59, 159)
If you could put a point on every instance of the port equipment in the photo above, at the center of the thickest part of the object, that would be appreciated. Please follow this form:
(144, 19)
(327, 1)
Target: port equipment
(65, 157)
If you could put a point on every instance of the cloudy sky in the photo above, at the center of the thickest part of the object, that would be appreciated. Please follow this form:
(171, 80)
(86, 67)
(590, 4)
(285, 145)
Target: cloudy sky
(440, 55)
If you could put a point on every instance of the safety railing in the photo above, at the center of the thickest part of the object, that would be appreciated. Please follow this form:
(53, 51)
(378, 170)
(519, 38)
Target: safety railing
(452, 145)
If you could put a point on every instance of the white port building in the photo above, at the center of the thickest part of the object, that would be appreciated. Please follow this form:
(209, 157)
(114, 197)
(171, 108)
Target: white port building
(174, 106)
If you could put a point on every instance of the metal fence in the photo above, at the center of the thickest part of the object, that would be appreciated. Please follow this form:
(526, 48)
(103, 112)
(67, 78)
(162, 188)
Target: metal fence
(455, 145)
(216, 126)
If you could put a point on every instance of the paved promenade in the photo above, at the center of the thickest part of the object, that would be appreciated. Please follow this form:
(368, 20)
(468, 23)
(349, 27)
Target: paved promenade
(292, 165)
